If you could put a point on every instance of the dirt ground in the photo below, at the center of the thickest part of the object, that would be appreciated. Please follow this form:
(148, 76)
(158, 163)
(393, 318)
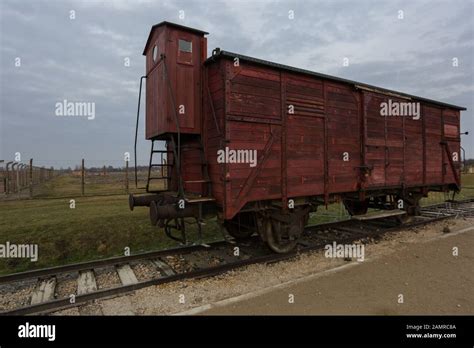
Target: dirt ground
(407, 272)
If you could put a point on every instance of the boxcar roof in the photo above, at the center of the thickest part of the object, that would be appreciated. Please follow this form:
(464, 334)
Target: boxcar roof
(174, 25)
(227, 54)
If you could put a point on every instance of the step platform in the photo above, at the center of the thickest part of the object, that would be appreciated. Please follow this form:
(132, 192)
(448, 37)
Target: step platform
(191, 198)
(380, 215)
(199, 199)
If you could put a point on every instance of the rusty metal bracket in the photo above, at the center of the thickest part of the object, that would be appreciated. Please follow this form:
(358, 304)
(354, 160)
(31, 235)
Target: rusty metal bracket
(445, 144)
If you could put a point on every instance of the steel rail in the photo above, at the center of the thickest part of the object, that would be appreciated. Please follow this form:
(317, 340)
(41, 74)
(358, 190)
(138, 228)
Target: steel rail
(117, 260)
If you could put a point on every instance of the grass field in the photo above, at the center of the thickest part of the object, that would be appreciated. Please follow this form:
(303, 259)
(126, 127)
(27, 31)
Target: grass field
(68, 185)
(467, 182)
(97, 227)
(103, 226)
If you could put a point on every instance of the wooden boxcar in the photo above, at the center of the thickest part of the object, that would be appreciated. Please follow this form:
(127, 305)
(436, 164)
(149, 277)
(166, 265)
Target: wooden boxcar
(261, 145)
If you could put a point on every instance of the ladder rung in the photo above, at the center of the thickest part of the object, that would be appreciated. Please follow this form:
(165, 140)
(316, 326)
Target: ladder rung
(196, 181)
(159, 178)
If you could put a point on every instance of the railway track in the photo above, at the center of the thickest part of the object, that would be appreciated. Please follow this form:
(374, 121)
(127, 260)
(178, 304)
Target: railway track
(459, 208)
(56, 288)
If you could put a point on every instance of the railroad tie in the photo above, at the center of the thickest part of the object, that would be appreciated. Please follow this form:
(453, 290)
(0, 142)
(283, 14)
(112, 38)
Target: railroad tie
(44, 291)
(163, 267)
(86, 282)
(126, 275)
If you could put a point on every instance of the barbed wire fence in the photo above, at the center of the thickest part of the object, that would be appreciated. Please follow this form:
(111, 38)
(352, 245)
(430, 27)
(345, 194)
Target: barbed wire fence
(16, 177)
(20, 180)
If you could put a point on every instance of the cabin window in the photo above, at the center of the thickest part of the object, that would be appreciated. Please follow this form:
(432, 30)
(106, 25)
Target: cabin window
(185, 46)
(155, 53)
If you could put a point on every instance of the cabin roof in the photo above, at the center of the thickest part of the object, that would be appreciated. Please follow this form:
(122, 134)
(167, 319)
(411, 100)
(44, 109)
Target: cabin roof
(173, 25)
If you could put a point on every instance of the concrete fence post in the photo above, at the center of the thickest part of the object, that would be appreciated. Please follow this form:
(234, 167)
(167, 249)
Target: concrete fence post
(18, 179)
(82, 177)
(31, 177)
(126, 176)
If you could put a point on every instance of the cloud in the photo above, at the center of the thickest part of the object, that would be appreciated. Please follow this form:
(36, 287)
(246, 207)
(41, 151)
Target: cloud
(83, 59)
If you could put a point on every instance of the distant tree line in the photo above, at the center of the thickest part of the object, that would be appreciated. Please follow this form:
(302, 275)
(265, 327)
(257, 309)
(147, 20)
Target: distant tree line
(469, 162)
(108, 169)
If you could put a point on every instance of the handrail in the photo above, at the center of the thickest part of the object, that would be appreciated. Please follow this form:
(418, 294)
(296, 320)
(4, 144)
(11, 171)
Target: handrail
(136, 128)
(138, 116)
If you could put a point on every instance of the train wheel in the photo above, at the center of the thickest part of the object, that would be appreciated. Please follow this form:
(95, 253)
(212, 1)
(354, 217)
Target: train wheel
(281, 236)
(411, 203)
(242, 226)
(356, 207)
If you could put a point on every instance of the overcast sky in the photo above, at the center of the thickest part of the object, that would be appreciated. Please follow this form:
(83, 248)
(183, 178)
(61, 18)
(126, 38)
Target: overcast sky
(82, 59)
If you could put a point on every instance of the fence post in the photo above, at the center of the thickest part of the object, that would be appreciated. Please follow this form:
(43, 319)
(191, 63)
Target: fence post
(24, 176)
(82, 177)
(7, 183)
(126, 176)
(18, 179)
(24, 172)
(31, 177)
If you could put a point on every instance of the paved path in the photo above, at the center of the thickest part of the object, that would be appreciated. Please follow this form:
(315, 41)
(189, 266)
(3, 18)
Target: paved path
(430, 278)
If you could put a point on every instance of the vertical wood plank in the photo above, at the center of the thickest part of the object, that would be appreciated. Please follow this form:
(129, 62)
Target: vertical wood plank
(326, 149)
(284, 163)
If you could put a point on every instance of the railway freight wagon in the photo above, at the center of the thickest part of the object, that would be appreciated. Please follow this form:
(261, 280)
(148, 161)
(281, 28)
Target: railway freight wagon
(261, 145)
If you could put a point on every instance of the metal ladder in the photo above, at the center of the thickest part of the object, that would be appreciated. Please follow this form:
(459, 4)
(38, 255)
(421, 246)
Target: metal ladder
(167, 165)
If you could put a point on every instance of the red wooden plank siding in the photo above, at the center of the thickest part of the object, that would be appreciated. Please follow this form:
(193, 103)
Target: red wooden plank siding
(414, 150)
(434, 157)
(452, 137)
(394, 150)
(253, 98)
(305, 136)
(213, 129)
(375, 142)
(184, 73)
(284, 140)
(343, 137)
(250, 101)
(156, 108)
